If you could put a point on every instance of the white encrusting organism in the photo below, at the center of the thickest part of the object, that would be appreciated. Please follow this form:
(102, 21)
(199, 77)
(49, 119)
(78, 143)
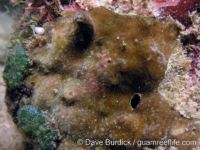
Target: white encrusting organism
(39, 30)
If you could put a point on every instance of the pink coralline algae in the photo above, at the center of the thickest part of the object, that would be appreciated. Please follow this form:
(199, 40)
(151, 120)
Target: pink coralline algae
(105, 63)
(163, 3)
(74, 6)
(93, 86)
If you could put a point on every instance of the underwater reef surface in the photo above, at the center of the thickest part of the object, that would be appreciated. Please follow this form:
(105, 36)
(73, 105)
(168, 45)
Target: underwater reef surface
(182, 79)
(93, 75)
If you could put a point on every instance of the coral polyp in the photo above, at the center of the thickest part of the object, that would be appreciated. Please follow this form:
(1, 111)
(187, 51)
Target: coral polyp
(96, 76)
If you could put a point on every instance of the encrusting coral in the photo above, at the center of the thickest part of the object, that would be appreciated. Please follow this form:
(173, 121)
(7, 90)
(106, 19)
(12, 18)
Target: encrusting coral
(96, 75)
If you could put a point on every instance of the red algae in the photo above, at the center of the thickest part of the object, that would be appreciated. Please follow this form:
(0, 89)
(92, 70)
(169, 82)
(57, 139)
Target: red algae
(181, 10)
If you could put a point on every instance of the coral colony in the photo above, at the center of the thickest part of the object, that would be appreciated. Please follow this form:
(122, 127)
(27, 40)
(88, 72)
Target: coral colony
(105, 70)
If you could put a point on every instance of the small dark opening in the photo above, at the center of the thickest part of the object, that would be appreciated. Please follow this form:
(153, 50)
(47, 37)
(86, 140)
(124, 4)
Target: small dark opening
(198, 9)
(135, 100)
(84, 36)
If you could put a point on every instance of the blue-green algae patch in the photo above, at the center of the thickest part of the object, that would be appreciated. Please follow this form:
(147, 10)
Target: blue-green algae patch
(37, 128)
(17, 64)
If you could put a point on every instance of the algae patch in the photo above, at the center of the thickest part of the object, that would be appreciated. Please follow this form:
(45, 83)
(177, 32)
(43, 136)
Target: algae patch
(16, 66)
(37, 127)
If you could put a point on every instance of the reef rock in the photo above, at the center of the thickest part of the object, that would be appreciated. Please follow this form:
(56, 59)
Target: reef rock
(96, 73)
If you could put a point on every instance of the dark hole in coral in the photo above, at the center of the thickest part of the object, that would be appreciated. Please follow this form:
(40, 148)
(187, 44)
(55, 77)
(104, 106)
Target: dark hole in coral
(84, 36)
(135, 100)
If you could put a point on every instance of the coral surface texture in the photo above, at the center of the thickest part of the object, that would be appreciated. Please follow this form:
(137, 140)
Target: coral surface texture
(94, 76)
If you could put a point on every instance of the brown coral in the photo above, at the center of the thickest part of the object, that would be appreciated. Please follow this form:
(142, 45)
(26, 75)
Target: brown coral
(121, 55)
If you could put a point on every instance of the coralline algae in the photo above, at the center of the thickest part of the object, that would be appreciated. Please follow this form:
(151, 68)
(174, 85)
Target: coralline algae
(97, 74)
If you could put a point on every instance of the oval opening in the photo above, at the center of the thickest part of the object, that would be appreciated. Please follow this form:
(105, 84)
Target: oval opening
(135, 100)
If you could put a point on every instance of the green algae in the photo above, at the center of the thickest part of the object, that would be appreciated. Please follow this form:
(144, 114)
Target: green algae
(37, 128)
(17, 64)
